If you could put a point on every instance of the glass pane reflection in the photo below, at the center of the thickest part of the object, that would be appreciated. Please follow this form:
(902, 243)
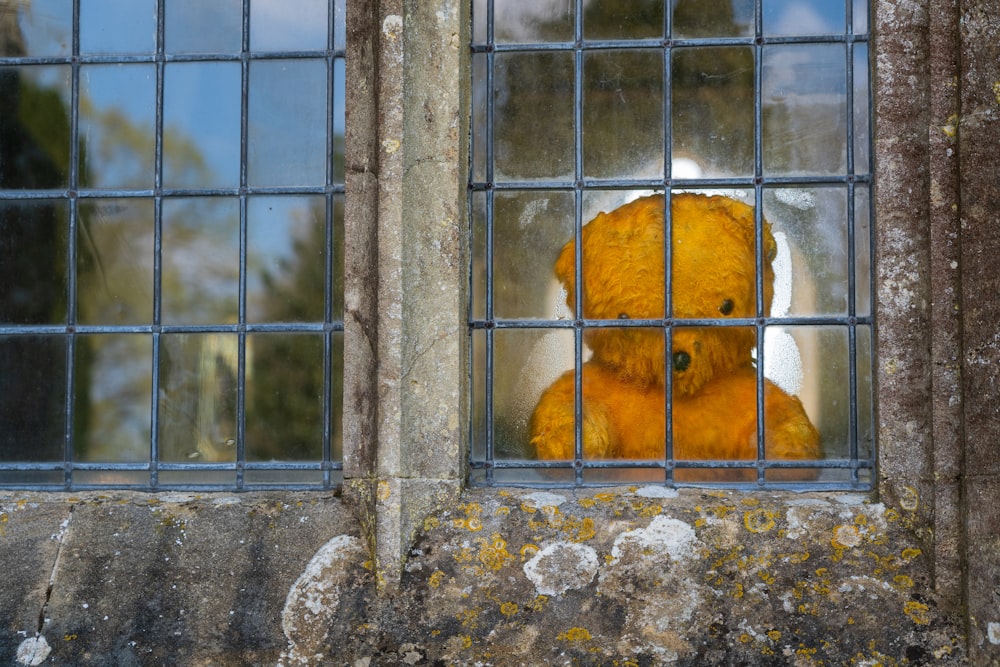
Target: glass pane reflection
(824, 382)
(282, 152)
(811, 266)
(113, 398)
(712, 105)
(200, 258)
(201, 125)
(197, 401)
(522, 22)
(803, 17)
(118, 26)
(529, 232)
(712, 18)
(623, 114)
(614, 19)
(34, 127)
(33, 249)
(274, 28)
(117, 117)
(115, 261)
(805, 109)
(534, 86)
(286, 243)
(44, 28)
(204, 26)
(32, 398)
(284, 418)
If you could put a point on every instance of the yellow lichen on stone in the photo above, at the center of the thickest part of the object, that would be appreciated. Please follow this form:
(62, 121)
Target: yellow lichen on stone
(493, 552)
(917, 611)
(575, 635)
(758, 520)
(845, 537)
(910, 553)
(508, 609)
(435, 579)
(528, 551)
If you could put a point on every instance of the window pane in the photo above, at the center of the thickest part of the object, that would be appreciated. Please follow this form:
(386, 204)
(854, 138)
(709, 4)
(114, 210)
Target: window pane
(113, 398)
(274, 28)
(286, 267)
(811, 266)
(805, 111)
(860, 15)
(712, 18)
(33, 249)
(862, 122)
(44, 28)
(283, 152)
(201, 125)
(32, 398)
(115, 261)
(118, 26)
(197, 400)
(34, 127)
(525, 22)
(204, 26)
(618, 19)
(200, 282)
(526, 362)
(623, 114)
(534, 86)
(803, 17)
(530, 230)
(863, 251)
(712, 104)
(823, 379)
(284, 420)
(117, 117)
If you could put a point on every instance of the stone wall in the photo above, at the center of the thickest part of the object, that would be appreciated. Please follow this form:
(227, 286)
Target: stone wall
(409, 568)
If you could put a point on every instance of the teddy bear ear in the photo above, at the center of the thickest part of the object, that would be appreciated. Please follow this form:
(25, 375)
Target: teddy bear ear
(565, 268)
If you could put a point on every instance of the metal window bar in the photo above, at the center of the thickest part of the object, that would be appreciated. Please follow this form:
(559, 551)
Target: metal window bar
(483, 467)
(329, 469)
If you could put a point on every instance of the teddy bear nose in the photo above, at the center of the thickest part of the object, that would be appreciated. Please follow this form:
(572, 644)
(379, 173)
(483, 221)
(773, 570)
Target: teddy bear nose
(681, 361)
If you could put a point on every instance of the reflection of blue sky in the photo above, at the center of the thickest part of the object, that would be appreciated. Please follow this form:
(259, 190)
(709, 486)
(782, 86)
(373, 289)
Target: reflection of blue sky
(201, 101)
(519, 18)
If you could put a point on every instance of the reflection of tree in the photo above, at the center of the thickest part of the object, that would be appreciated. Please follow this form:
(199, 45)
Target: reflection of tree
(285, 392)
(32, 261)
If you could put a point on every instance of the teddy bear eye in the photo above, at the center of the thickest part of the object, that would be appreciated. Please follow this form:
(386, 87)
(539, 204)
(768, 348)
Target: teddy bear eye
(727, 307)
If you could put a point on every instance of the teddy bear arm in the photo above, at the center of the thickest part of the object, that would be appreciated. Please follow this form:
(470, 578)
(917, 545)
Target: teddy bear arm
(788, 433)
(553, 424)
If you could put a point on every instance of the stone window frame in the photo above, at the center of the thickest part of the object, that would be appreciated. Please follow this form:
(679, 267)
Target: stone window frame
(406, 341)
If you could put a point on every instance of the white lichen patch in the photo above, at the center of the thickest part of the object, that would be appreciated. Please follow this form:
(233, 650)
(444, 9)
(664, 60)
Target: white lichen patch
(656, 492)
(663, 534)
(560, 567)
(541, 499)
(993, 632)
(33, 651)
(314, 598)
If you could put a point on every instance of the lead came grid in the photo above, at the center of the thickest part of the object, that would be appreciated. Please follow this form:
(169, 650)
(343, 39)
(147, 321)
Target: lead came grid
(496, 457)
(256, 224)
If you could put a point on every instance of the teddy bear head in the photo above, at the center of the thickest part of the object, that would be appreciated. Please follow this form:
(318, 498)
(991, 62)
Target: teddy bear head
(713, 260)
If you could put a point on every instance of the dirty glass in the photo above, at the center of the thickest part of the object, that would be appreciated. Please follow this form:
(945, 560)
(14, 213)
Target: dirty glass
(171, 243)
(579, 107)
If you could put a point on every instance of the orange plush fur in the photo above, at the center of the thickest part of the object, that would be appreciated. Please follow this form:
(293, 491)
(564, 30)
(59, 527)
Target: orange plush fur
(714, 408)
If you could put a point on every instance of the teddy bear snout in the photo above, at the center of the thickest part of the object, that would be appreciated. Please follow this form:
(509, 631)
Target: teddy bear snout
(681, 361)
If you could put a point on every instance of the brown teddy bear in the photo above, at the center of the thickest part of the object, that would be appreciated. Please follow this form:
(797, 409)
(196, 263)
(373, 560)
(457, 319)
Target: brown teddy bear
(714, 409)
